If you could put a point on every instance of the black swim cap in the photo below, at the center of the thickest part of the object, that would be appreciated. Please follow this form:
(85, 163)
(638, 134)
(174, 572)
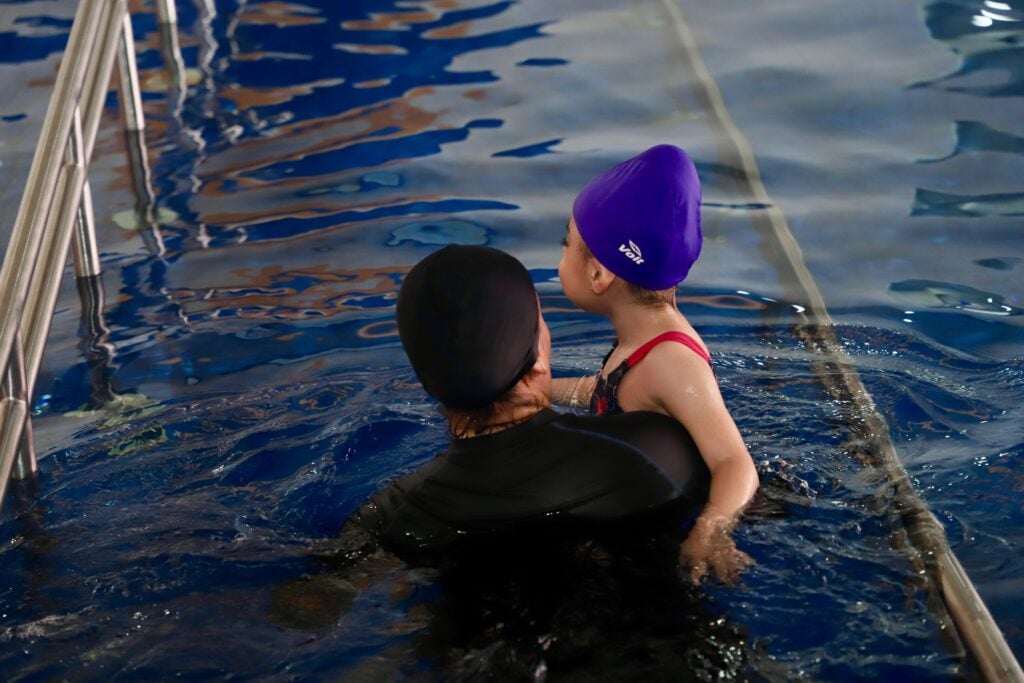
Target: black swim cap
(469, 321)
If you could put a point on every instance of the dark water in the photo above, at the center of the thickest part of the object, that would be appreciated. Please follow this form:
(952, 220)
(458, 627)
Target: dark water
(311, 153)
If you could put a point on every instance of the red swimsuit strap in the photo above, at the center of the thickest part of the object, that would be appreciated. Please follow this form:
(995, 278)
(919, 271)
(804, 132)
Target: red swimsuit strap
(681, 337)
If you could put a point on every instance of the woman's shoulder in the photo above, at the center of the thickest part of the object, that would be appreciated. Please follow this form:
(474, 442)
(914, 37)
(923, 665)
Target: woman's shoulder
(657, 439)
(631, 425)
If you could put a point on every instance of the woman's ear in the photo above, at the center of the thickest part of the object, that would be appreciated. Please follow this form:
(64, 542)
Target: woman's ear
(600, 277)
(541, 369)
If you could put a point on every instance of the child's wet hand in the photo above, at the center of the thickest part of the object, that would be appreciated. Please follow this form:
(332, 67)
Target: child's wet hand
(729, 563)
(711, 550)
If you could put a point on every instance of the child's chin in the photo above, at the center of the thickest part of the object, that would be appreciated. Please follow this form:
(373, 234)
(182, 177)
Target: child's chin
(582, 305)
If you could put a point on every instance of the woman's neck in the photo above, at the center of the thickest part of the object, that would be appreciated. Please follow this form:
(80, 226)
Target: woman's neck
(515, 408)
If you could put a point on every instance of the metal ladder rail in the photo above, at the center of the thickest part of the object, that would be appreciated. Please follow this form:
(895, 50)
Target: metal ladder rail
(56, 203)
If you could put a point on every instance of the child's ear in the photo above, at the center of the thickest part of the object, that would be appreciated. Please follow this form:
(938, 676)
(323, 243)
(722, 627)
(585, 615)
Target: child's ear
(600, 277)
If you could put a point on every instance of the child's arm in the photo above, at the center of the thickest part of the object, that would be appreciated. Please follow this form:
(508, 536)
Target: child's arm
(676, 381)
(573, 392)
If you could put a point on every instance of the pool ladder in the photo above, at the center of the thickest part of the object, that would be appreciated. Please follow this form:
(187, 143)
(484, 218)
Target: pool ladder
(56, 208)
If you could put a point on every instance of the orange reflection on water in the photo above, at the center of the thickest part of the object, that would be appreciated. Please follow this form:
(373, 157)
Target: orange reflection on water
(382, 329)
(263, 97)
(270, 293)
(375, 83)
(390, 21)
(312, 208)
(280, 14)
(454, 31)
(231, 167)
(294, 141)
(371, 49)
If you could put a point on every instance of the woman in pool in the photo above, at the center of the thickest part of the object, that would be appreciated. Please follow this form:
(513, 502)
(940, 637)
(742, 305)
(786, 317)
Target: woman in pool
(469, 319)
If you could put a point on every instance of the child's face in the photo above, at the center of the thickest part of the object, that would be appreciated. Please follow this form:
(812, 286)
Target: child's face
(572, 269)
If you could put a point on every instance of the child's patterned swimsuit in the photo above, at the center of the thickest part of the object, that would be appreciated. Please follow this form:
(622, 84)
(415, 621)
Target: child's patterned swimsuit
(605, 399)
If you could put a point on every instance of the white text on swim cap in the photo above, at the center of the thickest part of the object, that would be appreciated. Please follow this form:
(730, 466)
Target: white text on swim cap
(632, 252)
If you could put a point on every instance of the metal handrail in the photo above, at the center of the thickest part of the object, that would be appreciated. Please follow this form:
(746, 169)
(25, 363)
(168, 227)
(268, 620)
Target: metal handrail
(56, 206)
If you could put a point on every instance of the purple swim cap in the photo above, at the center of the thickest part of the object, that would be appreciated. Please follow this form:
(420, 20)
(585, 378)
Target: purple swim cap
(641, 219)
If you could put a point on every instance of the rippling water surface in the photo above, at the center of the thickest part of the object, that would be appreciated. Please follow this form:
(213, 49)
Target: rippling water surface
(244, 388)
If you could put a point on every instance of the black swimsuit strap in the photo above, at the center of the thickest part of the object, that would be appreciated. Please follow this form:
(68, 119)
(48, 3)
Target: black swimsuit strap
(605, 399)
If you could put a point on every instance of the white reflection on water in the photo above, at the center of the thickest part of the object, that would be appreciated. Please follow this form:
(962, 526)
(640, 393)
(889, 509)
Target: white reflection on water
(986, 17)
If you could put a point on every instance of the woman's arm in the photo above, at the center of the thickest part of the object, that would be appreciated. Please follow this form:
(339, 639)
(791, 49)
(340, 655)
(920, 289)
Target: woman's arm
(573, 392)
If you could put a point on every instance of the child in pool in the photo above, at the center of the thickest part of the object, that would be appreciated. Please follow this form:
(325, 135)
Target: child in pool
(633, 234)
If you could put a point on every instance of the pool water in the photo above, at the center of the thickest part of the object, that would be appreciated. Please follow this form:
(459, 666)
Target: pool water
(310, 153)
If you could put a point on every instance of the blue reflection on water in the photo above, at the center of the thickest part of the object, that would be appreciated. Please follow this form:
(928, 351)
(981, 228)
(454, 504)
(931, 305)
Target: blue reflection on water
(422, 61)
(975, 136)
(369, 154)
(16, 47)
(932, 203)
(543, 62)
(529, 150)
(996, 47)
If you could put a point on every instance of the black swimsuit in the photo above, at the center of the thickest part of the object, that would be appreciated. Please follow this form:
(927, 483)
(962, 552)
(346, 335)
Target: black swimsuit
(605, 400)
(553, 470)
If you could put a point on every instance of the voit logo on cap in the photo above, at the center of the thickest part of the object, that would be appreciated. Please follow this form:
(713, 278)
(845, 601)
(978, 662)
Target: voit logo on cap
(632, 252)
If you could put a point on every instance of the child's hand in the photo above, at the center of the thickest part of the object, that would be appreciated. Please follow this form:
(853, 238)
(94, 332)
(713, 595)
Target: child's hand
(710, 547)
